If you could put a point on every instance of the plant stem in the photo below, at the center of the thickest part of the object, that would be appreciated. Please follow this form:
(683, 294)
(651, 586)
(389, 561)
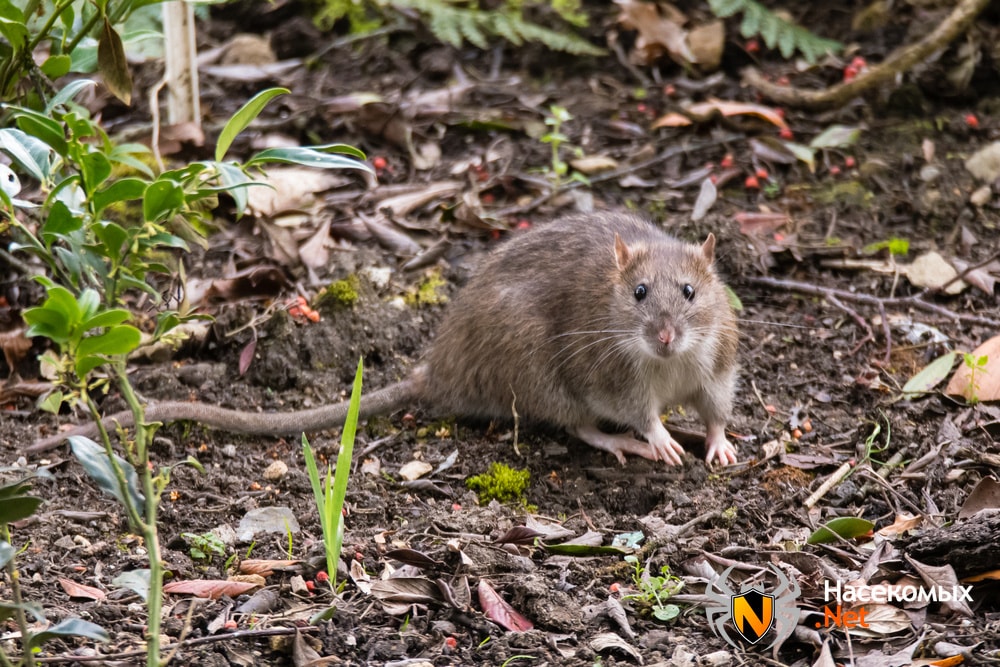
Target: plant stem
(149, 528)
(15, 594)
(44, 32)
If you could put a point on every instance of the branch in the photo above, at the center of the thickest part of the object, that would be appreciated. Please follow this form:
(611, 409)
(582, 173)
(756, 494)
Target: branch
(901, 60)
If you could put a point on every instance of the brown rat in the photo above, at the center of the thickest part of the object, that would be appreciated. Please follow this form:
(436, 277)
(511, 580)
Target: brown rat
(591, 319)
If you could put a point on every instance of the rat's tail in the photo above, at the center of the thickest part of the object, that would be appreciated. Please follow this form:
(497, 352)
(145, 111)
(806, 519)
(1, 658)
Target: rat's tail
(379, 402)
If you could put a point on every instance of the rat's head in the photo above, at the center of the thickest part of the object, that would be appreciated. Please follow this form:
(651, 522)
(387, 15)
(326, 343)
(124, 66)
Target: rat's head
(667, 291)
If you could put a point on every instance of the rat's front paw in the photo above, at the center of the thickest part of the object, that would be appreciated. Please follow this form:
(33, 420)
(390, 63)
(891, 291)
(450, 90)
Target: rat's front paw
(719, 448)
(664, 447)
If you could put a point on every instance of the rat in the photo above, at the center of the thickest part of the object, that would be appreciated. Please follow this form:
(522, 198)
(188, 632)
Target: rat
(585, 321)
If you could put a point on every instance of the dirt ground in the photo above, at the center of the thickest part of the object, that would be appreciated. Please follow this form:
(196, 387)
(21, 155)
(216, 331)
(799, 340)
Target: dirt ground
(802, 371)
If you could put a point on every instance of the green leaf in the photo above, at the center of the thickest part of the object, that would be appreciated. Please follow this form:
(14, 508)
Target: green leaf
(113, 238)
(341, 148)
(56, 66)
(107, 318)
(120, 339)
(235, 182)
(8, 609)
(243, 117)
(68, 92)
(836, 136)
(52, 402)
(30, 153)
(929, 376)
(59, 223)
(112, 63)
(7, 553)
(307, 157)
(43, 128)
(18, 507)
(584, 550)
(343, 469)
(136, 581)
(94, 460)
(122, 190)
(12, 25)
(802, 153)
(162, 198)
(70, 627)
(666, 612)
(95, 169)
(846, 527)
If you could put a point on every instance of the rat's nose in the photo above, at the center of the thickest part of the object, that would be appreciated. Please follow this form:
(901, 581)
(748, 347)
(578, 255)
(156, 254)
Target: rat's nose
(666, 335)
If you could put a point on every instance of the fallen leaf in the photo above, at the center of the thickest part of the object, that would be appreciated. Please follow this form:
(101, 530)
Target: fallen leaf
(761, 223)
(498, 611)
(931, 270)
(706, 42)
(836, 136)
(903, 523)
(985, 496)
(290, 188)
(658, 34)
(706, 110)
(707, 196)
(15, 346)
(208, 588)
(593, 164)
(929, 376)
(75, 590)
(983, 382)
(265, 567)
(414, 470)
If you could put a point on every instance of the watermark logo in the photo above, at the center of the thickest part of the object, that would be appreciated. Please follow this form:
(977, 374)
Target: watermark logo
(753, 613)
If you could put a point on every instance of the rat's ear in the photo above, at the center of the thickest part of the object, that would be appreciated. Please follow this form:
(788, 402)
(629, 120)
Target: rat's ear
(708, 248)
(622, 254)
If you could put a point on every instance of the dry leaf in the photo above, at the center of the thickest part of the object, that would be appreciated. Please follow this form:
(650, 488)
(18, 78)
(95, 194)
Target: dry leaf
(415, 470)
(75, 590)
(932, 270)
(593, 164)
(657, 34)
(707, 42)
(498, 611)
(291, 188)
(705, 110)
(903, 523)
(266, 567)
(208, 588)
(983, 383)
(985, 496)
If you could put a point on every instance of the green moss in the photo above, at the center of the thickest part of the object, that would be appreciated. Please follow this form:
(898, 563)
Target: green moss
(500, 482)
(343, 292)
(428, 293)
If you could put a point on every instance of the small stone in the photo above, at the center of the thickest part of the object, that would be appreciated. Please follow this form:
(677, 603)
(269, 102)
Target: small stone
(984, 164)
(229, 451)
(275, 471)
(981, 196)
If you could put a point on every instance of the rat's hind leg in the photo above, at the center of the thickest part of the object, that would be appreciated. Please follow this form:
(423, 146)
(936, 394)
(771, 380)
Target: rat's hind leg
(621, 444)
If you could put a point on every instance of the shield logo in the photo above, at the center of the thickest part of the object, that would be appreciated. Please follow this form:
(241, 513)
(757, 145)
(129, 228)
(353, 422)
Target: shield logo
(753, 614)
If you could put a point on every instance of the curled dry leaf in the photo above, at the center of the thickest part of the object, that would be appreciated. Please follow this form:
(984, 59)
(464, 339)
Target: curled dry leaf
(903, 523)
(985, 496)
(498, 611)
(414, 470)
(932, 270)
(706, 110)
(290, 188)
(593, 164)
(266, 567)
(981, 382)
(658, 33)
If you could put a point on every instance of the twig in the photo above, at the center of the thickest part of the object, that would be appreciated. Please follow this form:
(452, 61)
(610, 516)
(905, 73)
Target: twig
(869, 334)
(830, 482)
(901, 60)
(665, 155)
(912, 301)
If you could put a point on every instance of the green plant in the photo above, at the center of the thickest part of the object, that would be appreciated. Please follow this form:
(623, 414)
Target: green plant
(555, 137)
(76, 37)
(330, 494)
(500, 482)
(204, 546)
(98, 258)
(776, 31)
(654, 591)
(456, 21)
(975, 364)
(15, 505)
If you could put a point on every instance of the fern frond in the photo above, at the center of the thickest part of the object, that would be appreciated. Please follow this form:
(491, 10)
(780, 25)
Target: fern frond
(776, 32)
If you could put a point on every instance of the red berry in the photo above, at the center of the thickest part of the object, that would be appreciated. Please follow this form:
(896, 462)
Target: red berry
(456, 507)
(669, 90)
(451, 643)
(849, 73)
(835, 170)
(487, 198)
(522, 225)
(727, 161)
(714, 179)
(641, 108)
(859, 63)
(849, 162)
(615, 587)
(495, 234)
(972, 121)
(784, 81)
(786, 133)
(751, 183)
(379, 162)
(310, 586)
(752, 46)
(322, 577)
(761, 173)
(230, 625)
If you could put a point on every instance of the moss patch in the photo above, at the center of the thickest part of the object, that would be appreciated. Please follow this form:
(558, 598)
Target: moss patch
(500, 482)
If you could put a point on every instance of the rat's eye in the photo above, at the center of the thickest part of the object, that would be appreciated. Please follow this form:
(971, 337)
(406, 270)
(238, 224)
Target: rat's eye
(640, 292)
(688, 292)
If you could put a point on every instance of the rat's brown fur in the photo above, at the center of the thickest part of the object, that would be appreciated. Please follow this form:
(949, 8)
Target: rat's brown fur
(550, 326)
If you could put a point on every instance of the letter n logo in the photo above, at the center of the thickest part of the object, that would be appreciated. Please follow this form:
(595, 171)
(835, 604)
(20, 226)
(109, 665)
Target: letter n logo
(753, 614)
